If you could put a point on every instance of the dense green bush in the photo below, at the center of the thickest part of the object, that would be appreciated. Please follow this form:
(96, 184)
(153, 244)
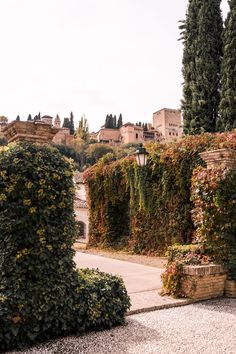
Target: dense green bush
(37, 228)
(152, 206)
(41, 294)
(214, 213)
(104, 299)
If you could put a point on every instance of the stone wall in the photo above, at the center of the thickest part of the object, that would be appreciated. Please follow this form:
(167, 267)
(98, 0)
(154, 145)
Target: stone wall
(203, 282)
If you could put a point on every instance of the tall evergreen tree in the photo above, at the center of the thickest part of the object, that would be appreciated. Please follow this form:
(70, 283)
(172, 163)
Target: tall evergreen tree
(120, 121)
(72, 125)
(29, 117)
(202, 39)
(66, 123)
(18, 117)
(114, 126)
(227, 118)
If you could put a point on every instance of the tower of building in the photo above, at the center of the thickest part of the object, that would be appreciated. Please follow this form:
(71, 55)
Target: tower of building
(57, 121)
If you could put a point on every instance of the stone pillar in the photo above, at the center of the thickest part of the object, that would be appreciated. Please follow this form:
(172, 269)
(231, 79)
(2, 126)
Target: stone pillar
(220, 158)
(203, 282)
(225, 158)
(35, 132)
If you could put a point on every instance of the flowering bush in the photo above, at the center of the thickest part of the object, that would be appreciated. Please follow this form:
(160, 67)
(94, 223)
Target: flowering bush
(178, 256)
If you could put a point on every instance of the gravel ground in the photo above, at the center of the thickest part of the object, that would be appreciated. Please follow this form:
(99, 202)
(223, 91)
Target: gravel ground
(204, 328)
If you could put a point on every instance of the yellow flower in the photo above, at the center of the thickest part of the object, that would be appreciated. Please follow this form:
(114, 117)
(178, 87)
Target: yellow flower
(3, 197)
(42, 182)
(22, 253)
(29, 185)
(32, 210)
(26, 202)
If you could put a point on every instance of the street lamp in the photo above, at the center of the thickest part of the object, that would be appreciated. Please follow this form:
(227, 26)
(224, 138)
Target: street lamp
(141, 156)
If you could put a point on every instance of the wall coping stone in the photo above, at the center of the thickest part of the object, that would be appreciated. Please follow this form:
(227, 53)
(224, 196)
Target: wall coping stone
(201, 270)
(220, 158)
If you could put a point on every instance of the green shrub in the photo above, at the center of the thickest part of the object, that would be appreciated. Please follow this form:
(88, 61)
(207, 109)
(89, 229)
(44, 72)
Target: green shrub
(104, 298)
(37, 228)
(41, 294)
(193, 254)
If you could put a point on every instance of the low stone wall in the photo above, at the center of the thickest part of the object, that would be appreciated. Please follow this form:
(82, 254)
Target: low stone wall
(230, 288)
(203, 282)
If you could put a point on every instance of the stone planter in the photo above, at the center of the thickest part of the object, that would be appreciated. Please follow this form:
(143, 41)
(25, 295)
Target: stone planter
(220, 158)
(37, 132)
(230, 288)
(203, 282)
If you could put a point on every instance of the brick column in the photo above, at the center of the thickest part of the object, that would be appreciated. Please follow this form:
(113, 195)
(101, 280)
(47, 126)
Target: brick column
(225, 158)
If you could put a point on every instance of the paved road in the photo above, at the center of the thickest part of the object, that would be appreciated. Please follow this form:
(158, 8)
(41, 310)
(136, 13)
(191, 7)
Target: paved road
(137, 277)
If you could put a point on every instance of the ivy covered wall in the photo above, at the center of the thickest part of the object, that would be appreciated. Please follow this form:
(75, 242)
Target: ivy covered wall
(148, 209)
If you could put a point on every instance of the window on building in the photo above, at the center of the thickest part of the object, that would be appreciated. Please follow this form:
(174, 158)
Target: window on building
(169, 133)
(136, 135)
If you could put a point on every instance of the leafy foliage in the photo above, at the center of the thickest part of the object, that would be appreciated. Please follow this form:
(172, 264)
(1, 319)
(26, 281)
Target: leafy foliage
(41, 294)
(227, 119)
(202, 39)
(82, 131)
(178, 256)
(37, 229)
(152, 204)
(105, 299)
(214, 213)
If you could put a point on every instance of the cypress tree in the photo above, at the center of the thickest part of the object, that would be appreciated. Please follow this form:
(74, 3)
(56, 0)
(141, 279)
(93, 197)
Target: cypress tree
(66, 123)
(114, 122)
(72, 125)
(29, 117)
(227, 118)
(18, 117)
(202, 39)
(120, 121)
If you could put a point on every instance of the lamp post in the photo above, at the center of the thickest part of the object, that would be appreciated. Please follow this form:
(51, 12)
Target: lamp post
(141, 156)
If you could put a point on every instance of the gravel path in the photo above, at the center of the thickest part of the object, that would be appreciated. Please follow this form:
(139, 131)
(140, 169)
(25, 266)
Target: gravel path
(202, 328)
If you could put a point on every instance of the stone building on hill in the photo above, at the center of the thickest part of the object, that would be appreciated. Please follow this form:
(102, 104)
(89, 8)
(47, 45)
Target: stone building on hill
(166, 126)
(36, 131)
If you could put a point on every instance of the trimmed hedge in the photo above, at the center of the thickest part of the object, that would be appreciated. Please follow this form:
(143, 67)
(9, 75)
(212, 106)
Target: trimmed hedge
(105, 299)
(147, 210)
(41, 293)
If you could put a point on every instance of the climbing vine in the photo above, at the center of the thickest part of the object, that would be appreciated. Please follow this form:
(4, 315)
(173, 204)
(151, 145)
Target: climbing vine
(148, 209)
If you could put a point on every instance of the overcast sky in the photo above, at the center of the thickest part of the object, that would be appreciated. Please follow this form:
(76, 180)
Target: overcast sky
(90, 56)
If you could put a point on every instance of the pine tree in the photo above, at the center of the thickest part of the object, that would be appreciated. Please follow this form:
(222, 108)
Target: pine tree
(18, 117)
(72, 126)
(120, 121)
(227, 118)
(29, 117)
(202, 39)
